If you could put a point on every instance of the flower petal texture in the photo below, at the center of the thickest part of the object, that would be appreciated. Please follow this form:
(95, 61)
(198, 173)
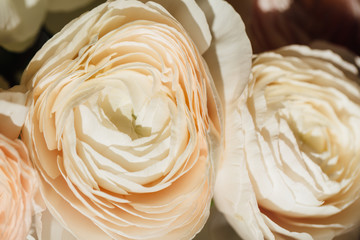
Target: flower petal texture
(12, 111)
(124, 124)
(18, 185)
(292, 158)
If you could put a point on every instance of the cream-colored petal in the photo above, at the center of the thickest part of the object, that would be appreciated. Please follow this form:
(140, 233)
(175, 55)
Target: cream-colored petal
(229, 56)
(12, 112)
(51, 229)
(291, 148)
(234, 193)
(192, 18)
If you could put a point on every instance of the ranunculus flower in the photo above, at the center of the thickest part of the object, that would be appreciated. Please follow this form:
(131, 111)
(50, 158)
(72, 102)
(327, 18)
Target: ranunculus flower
(21, 20)
(17, 189)
(275, 23)
(291, 168)
(18, 182)
(125, 125)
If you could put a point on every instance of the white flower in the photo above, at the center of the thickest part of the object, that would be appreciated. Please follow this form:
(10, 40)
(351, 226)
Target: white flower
(125, 125)
(292, 161)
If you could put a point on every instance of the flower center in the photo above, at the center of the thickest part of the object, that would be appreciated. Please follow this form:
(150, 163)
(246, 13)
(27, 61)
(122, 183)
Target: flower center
(120, 113)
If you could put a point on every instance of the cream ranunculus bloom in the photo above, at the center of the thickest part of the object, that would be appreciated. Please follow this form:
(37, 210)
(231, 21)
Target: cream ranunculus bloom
(18, 182)
(292, 162)
(125, 126)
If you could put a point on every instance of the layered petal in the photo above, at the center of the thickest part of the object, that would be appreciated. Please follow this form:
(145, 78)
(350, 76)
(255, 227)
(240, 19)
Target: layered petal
(125, 124)
(291, 165)
(18, 186)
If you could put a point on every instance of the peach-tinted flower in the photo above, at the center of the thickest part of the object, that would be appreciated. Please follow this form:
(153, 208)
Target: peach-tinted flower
(292, 162)
(12, 111)
(18, 182)
(125, 125)
(17, 189)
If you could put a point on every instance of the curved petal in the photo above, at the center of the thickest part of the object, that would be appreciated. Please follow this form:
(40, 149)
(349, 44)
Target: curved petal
(192, 18)
(146, 170)
(291, 163)
(12, 112)
(235, 196)
(229, 56)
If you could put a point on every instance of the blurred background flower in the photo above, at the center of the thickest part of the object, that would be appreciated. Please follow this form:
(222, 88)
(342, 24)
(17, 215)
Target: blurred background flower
(21, 20)
(25, 25)
(271, 24)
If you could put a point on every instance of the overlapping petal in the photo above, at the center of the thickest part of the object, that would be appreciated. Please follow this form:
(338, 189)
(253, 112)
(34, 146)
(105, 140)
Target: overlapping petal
(292, 164)
(18, 186)
(125, 125)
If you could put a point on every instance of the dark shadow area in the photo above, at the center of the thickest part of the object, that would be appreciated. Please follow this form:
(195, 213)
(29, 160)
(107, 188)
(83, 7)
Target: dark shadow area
(13, 64)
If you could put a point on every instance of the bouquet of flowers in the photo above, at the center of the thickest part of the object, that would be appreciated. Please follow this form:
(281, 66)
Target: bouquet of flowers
(182, 119)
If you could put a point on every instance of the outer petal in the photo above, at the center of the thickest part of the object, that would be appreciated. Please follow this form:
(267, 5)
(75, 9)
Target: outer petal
(229, 56)
(49, 228)
(12, 112)
(234, 193)
(192, 18)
